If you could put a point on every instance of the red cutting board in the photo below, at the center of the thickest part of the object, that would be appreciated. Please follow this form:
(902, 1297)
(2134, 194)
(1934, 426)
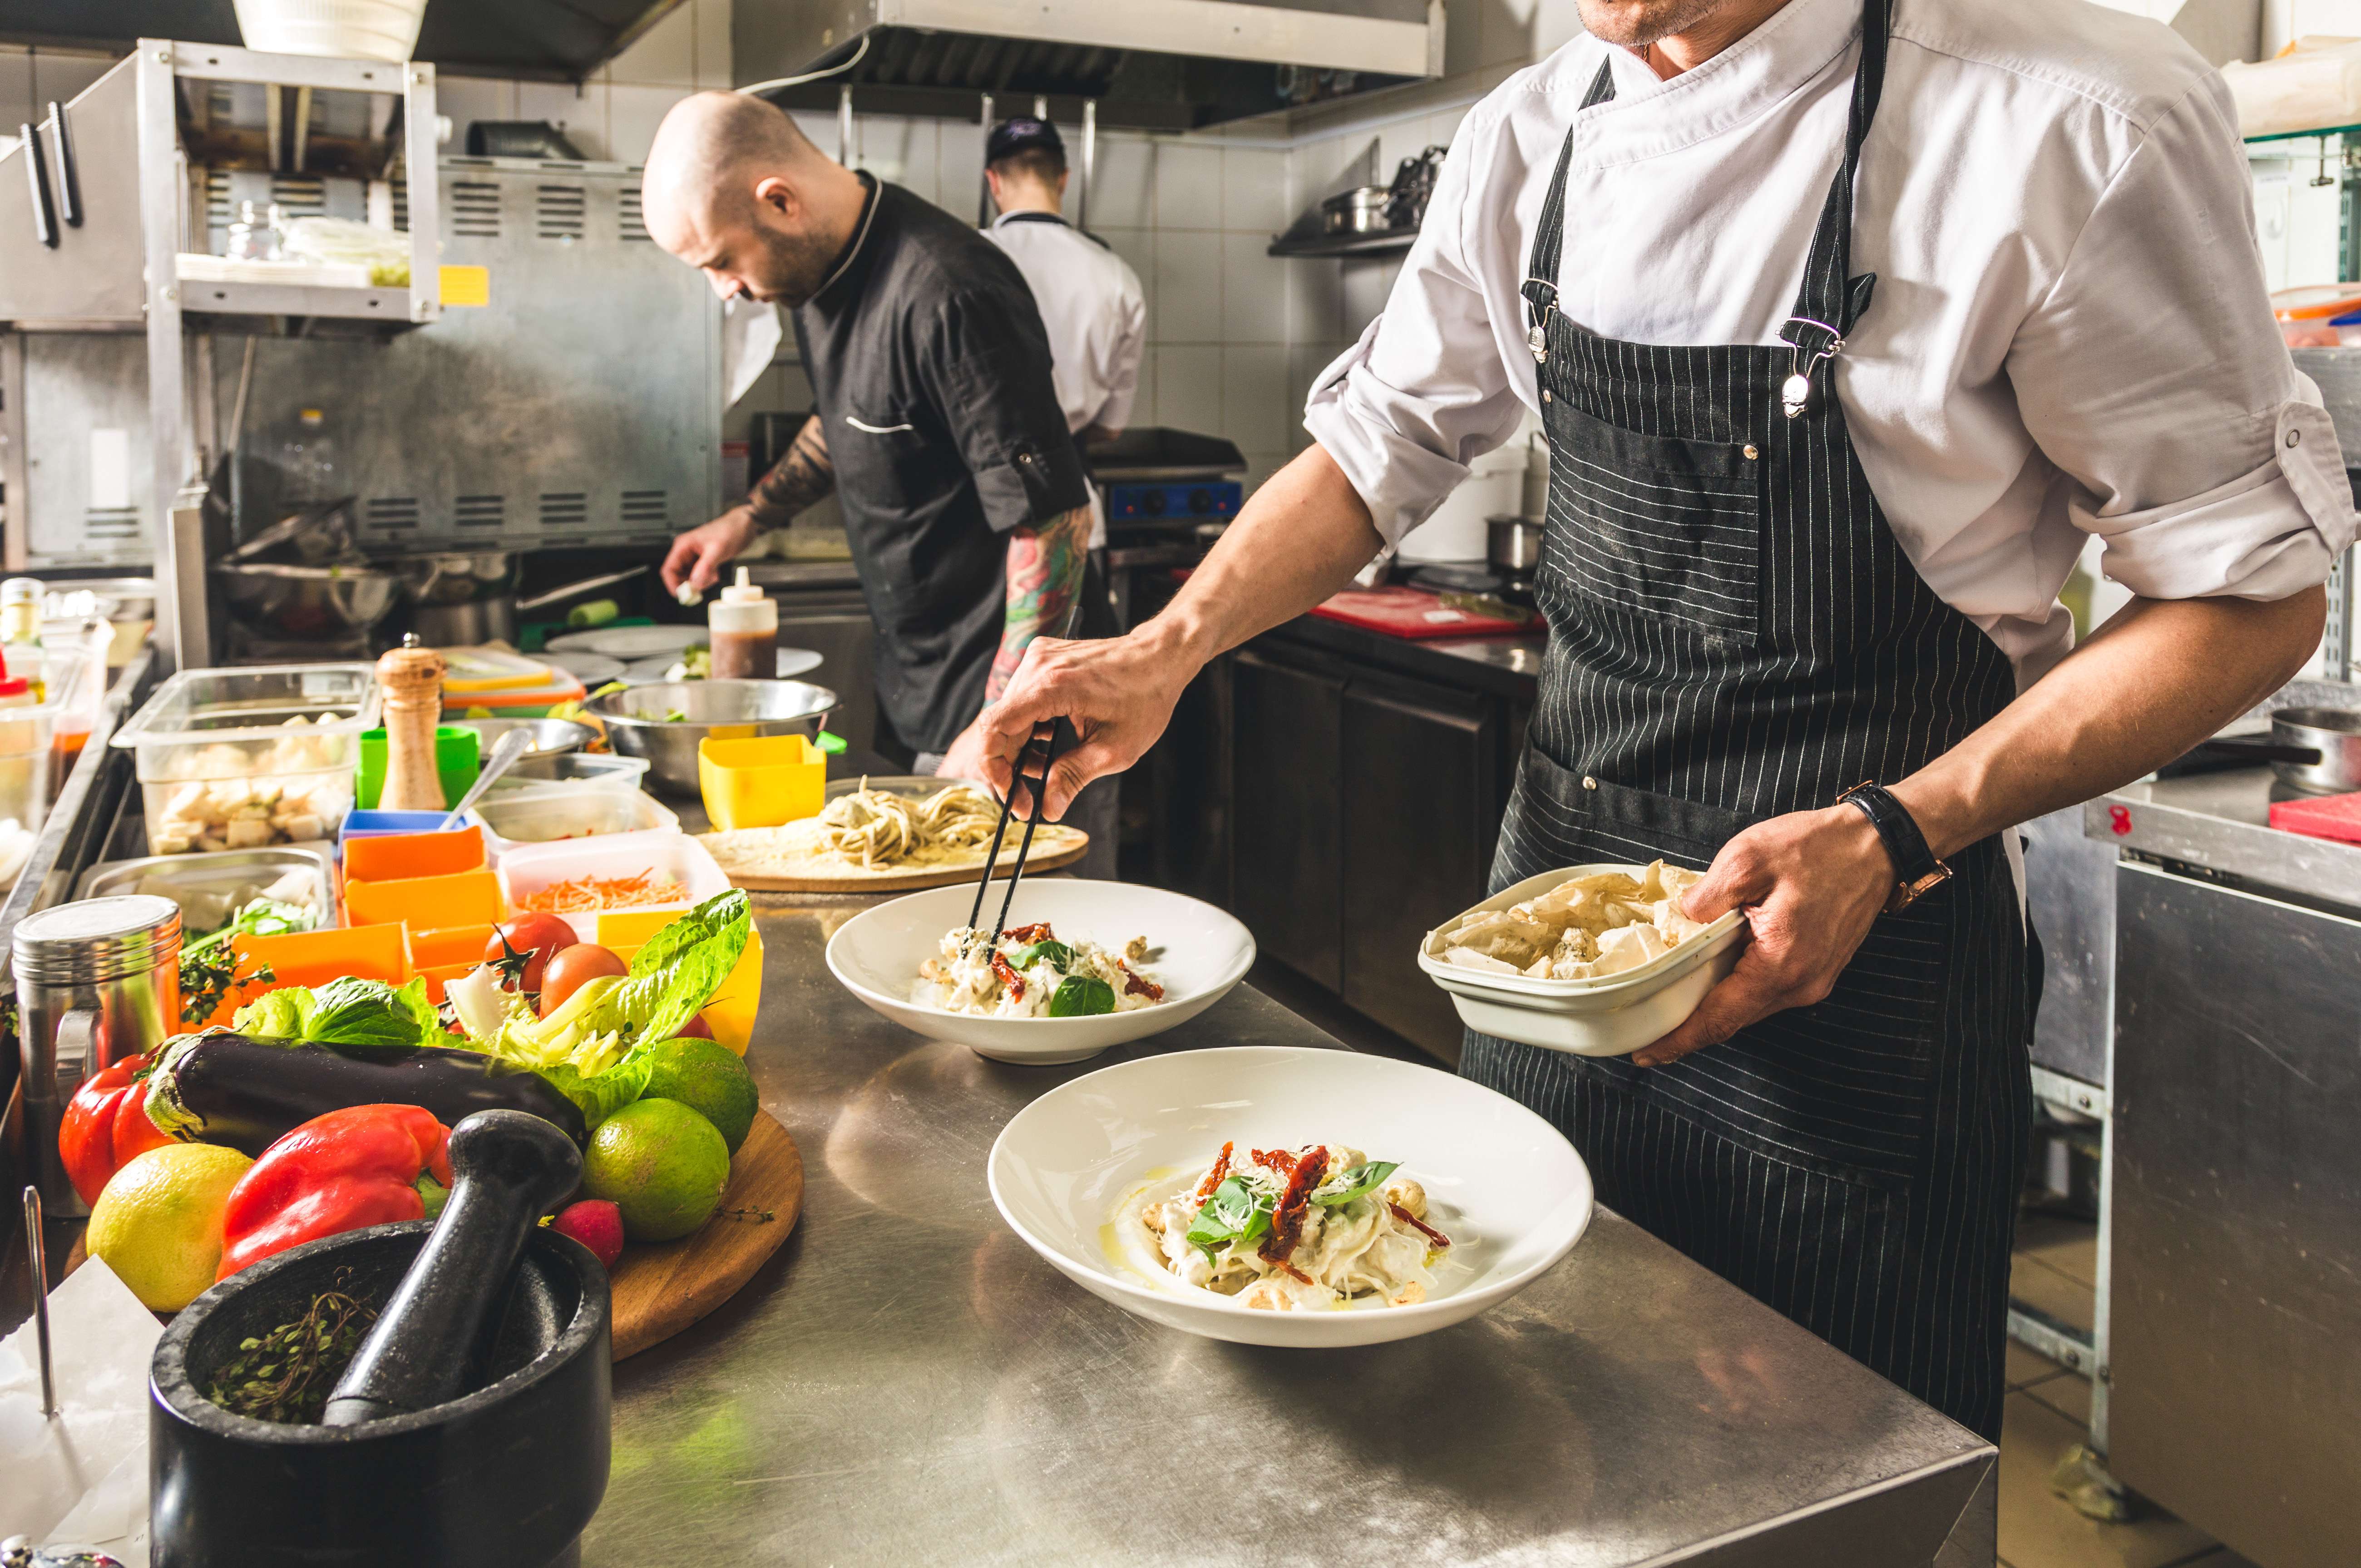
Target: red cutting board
(1409, 612)
(2335, 816)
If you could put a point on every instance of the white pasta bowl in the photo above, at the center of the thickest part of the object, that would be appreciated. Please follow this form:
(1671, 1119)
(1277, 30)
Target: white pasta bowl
(1613, 1015)
(876, 954)
(1502, 1183)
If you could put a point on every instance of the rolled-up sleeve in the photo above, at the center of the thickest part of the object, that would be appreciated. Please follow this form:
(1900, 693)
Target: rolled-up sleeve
(1424, 392)
(990, 360)
(2153, 374)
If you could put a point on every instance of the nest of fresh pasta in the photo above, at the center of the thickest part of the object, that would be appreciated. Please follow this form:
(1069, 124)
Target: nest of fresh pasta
(1584, 929)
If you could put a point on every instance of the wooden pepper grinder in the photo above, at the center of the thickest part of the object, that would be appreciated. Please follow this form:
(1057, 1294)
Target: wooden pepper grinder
(412, 679)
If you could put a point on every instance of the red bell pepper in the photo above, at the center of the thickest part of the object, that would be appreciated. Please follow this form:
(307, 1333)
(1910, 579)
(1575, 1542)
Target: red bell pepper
(361, 1166)
(106, 1124)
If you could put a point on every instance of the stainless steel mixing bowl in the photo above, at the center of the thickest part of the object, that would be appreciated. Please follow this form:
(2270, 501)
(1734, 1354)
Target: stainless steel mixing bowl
(551, 738)
(638, 726)
(294, 603)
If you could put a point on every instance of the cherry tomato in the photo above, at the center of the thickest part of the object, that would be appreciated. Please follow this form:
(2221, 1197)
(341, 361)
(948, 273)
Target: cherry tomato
(541, 937)
(696, 1028)
(571, 968)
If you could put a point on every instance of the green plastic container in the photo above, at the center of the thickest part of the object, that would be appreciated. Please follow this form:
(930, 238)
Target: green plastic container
(457, 763)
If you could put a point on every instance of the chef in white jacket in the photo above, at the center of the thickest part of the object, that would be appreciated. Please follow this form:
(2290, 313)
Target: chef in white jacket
(1850, 322)
(1089, 297)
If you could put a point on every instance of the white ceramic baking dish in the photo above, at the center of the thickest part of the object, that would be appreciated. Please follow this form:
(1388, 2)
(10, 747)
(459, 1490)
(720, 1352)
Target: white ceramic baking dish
(1610, 1016)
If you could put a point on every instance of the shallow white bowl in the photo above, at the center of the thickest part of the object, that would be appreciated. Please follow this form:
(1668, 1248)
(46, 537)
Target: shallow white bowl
(1611, 1016)
(1501, 1183)
(876, 954)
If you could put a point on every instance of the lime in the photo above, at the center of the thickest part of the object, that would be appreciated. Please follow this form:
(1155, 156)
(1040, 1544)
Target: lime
(159, 1223)
(661, 1163)
(709, 1079)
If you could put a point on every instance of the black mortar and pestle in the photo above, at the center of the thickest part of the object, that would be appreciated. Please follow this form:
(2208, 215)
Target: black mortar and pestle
(470, 1429)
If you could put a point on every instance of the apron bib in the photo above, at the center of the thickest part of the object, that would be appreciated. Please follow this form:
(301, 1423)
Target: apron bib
(1735, 634)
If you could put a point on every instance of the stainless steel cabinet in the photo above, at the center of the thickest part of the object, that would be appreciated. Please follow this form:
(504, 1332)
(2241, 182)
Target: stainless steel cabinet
(1287, 852)
(2235, 1397)
(1422, 808)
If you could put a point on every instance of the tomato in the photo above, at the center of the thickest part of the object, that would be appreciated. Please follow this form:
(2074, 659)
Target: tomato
(540, 937)
(572, 966)
(696, 1028)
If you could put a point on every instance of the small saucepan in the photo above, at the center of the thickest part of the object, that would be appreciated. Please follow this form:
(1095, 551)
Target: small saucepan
(1512, 544)
(2333, 734)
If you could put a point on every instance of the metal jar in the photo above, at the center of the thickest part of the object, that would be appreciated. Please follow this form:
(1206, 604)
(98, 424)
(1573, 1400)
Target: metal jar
(1512, 544)
(97, 980)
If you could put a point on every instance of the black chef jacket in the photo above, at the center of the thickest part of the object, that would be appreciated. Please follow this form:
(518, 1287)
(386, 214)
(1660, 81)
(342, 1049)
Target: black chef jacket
(930, 371)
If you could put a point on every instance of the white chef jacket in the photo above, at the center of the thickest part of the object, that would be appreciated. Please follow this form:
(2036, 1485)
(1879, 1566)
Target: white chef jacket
(1092, 304)
(2069, 334)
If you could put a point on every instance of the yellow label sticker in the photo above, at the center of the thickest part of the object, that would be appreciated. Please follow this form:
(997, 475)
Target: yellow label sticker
(466, 285)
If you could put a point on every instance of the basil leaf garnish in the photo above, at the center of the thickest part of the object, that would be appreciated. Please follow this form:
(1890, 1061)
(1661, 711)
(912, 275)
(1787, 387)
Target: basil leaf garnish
(1361, 1178)
(1234, 1214)
(1060, 956)
(1080, 996)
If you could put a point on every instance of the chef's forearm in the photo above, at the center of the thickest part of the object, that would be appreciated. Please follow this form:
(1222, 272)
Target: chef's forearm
(803, 478)
(2158, 678)
(1300, 540)
(1045, 579)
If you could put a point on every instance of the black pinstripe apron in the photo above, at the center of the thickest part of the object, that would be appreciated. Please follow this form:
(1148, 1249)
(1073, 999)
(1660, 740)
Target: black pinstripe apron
(1735, 633)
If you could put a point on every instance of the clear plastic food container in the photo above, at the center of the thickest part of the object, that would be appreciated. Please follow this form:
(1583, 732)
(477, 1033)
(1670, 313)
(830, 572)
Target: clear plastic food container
(570, 772)
(244, 758)
(211, 888)
(575, 812)
(530, 871)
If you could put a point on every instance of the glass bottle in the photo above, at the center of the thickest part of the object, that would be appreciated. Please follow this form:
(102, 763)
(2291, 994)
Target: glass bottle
(20, 631)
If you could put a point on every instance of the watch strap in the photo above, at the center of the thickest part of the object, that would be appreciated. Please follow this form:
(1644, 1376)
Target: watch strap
(1915, 864)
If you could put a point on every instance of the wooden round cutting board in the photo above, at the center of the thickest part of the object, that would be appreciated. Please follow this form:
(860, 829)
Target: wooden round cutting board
(911, 880)
(660, 1288)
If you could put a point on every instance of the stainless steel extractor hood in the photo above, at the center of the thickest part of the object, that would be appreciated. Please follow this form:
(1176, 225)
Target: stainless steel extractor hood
(1173, 64)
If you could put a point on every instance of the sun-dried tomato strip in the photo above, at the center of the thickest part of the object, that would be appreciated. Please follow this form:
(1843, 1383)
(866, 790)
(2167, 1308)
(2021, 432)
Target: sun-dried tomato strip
(1292, 1272)
(1279, 1160)
(1407, 1217)
(1286, 1219)
(1008, 977)
(1214, 1177)
(1136, 985)
(1035, 933)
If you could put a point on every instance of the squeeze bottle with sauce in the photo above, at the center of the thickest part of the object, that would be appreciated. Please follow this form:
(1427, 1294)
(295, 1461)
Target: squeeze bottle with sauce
(744, 625)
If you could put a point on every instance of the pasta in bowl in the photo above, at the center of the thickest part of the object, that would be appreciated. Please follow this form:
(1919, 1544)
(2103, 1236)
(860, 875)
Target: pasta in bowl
(1098, 1175)
(1188, 955)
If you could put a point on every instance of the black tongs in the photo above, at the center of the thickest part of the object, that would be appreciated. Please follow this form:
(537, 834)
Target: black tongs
(1043, 744)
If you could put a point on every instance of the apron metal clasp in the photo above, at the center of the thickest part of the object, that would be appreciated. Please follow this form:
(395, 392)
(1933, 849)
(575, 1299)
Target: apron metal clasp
(1795, 392)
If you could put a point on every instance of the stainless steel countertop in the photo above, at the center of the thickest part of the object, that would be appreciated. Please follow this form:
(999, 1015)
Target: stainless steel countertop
(2221, 821)
(906, 1382)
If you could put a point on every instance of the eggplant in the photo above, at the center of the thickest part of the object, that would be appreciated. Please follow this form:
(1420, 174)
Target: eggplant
(246, 1091)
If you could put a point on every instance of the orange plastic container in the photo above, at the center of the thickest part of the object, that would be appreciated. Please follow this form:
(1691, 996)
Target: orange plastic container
(428, 903)
(439, 975)
(449, 945)
(731, 1014)
(404, 856)
(315, 957)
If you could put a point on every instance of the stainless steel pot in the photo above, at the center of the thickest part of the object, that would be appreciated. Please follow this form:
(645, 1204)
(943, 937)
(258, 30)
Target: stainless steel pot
(2335, 733)
(1360, 211)
(291, 603)
(637, 724)
(551, 738)
(1512, 544)
(462, 597)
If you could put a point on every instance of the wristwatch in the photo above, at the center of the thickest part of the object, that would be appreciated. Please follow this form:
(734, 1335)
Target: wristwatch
(1920, 871)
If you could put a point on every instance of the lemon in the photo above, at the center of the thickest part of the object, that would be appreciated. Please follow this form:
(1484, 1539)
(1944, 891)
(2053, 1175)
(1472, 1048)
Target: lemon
(159, 1223)
(659, 1162)
(710, 1081)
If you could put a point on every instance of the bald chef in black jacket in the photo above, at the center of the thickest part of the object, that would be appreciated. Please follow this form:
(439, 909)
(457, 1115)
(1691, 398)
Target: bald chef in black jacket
(937, 424)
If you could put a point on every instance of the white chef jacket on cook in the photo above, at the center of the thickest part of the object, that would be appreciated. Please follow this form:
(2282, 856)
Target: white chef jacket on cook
(1096, 317)
(2069, 334)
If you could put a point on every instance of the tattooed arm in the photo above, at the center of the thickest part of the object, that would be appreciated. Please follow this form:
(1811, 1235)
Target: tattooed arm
(800, 479)
(1044, 580)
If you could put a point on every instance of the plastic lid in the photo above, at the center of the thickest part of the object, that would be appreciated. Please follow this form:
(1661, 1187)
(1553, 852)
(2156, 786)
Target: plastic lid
(743, 590)
(15, 685)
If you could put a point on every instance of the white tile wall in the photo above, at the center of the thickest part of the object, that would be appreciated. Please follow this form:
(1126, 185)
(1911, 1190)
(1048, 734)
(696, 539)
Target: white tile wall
(1188, 286)
(665, 55)
(1188, 386)
(1188, 186)
(1254, 191)
(1254, 290)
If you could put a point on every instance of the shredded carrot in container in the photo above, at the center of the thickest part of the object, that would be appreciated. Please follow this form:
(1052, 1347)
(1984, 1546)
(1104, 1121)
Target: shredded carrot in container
(588, 894)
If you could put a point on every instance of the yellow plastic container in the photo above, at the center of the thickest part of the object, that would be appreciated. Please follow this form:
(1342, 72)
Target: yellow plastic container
(731, 1014)
(761, 781)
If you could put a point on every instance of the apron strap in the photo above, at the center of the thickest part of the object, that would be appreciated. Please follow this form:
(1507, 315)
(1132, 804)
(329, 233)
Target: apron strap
(1539, 288)
(1830, 299)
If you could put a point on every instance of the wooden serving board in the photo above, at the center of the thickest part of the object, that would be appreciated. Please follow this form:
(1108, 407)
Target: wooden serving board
(660, 1288)
(916, 877)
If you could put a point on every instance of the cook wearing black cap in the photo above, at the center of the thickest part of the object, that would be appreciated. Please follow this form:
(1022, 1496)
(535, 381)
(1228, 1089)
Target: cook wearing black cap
(937, 424)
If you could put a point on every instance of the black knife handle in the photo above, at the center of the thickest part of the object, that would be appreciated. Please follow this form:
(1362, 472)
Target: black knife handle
(36, 169)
